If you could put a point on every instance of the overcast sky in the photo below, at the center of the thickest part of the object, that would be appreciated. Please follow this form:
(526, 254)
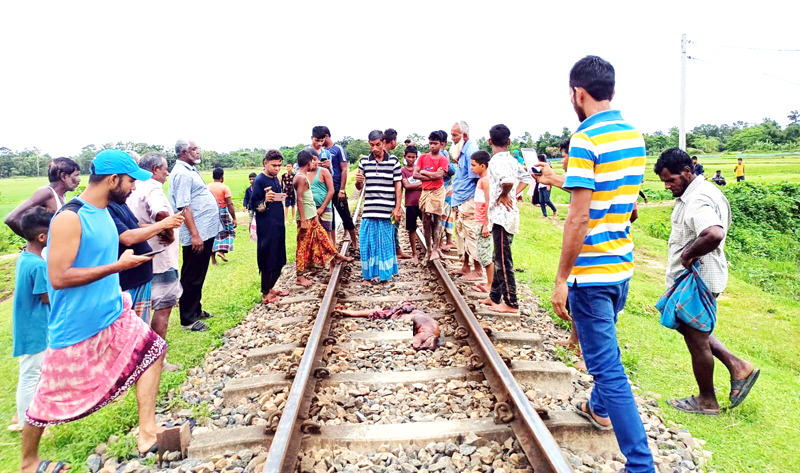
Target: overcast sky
(236, 75)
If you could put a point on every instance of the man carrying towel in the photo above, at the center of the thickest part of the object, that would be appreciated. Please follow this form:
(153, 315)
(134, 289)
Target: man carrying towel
(700, 222)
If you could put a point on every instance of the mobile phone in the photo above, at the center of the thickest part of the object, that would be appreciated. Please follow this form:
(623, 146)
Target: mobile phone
(280, 197)
(153, 253)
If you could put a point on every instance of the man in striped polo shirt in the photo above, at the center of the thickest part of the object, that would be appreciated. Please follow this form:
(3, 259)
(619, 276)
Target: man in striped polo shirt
(606, 169)
(379, 175)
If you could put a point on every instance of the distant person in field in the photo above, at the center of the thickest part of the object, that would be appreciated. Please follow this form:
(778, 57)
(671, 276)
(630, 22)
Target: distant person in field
(389, 144)
(287, 180)
(150, 205)
(718, 179)
(413, 189)
(698, 168)
(544, 195)
(189, 193)
(483, 234)
(270, 227)
(97, 346)
(314, 248)
(339, 169)
(606, 164)
(739, 170)
(31, 308)
(430, 169)
(64, 175)
(248, 195)
(379, 176)
(223, 243)
(700, 222)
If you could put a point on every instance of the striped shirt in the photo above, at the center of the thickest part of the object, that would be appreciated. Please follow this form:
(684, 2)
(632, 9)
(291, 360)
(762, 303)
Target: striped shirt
(606, 155)
(379, 197)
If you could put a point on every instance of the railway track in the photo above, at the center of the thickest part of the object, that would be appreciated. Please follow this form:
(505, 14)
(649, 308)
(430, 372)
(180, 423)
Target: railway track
(347, 388)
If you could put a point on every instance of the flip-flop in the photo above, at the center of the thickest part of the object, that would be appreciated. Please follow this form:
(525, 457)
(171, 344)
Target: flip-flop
(689, 404)
(42, 468)
(153, 449)
(588, 415)
(744, 386)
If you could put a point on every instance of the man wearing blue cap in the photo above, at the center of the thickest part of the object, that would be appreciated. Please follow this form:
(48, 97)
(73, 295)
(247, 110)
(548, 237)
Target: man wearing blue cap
(98, 347)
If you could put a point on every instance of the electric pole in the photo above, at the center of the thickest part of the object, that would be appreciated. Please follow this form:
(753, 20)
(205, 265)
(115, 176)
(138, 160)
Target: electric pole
(682, 128)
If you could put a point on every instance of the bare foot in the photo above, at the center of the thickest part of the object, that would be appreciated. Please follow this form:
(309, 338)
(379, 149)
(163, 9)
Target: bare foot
(222, 256)
(366, 282)
(434, 255)
(279, 292)
(581, 366)
(304, 281)
(503, 308)
(472, 276)
(269, 298)
(213, 259)
(401, 255)
(487, 301)
(461, 271)
(570, 343)
(449, 247)
(346, 259)
(480, 288)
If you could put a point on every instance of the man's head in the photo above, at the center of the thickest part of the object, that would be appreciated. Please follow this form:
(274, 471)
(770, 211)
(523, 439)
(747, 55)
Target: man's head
(389, 139)
(407, 142)
(35, 224)
(499, 136)
(719, 172)
(252, 177)
(376, 143)
(443, 138)
(480, 161)
(410, 154)
(273, 160)
(289, 167)
(64, 170)
(694, 159)
(740, 160)
(218, 174)
(156, 164)
(304, 158)
(591, 83)
(434, 142)
(455, 131)
(187, 151)
(115, 171)
(564, 147)
(676, 170)
(318, 134)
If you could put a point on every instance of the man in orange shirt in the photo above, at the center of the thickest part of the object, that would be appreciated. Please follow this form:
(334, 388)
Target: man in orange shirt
(227, 215)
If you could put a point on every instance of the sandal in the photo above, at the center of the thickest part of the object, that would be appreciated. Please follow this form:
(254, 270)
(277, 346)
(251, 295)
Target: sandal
(583, 409)
(689, 404)
(42, 468)
(153, 449)
(195, 327)
(743, 387)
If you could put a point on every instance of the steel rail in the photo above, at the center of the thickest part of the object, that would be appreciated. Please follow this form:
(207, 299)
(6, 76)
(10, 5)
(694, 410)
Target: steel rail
(286, 441)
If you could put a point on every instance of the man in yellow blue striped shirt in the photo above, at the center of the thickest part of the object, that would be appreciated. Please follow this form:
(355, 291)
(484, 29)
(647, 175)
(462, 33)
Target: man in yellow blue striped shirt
(606, 169)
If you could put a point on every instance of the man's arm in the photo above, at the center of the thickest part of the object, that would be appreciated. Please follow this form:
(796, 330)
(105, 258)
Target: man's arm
(14, 218)
(131, 237)
(575, 228)
(549, 178)
(398, 196)
(299, 188)
(506, 199)
(231, 209)
(705, 222)
(343, 167)
(197, 242)
(328, 179)
(65, 239)
(411, 186)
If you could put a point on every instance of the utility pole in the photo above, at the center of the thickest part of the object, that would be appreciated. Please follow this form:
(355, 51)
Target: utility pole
(682, 128)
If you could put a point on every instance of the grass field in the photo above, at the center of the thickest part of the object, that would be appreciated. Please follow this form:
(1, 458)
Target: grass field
(761, 327)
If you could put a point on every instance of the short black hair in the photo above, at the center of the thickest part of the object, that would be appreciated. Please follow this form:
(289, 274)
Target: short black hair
(694, 158)
(318, 132)
(719, 170)
(595, 75)
(740, 159)
(273, 155)
(60, 166)
(375, 135)
(407, 141)
(481, 157)
(443, 136)
(543, 158)
(499, 134)
(389, 135)
(304, 157)
(252, 174)
(564, 145)
(674, 160)
(35, 221)
(217, 173)
(435, 136)
(410, 149)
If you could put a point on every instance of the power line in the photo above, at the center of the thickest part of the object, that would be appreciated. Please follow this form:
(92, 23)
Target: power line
(745, 47)
(762, 73)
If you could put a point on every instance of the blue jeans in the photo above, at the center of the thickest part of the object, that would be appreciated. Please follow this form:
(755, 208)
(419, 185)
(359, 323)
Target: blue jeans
(30, 371)
(594, 313)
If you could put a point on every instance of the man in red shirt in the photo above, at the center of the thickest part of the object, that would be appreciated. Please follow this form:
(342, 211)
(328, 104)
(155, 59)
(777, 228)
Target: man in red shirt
(430, 168)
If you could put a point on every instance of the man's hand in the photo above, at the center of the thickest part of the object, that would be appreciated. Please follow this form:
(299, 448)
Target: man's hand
(506, 201)
(197, 243)
(485, 231)
(269, 197)
(359, 177)
(548, 177)
(342, 195)
(304, 224)
(234, 223)
(320, 211)
(128, 260)
(326, 164)
(686, 260)
(397, 213)
(166, 237)
(559, 301)
(172, 222)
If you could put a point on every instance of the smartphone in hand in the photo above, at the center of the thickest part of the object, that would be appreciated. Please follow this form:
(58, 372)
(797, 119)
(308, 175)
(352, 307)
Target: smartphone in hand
(153, 253)
(280, 197)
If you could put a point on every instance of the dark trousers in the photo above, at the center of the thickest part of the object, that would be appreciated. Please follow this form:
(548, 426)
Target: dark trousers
(739, 178)
(268, 280)
(504, 286)
(544, 200)
(343, 208)
(193, 275)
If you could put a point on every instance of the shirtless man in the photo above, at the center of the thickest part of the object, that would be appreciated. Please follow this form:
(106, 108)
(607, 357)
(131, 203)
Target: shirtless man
(426, 330)
(64, 175)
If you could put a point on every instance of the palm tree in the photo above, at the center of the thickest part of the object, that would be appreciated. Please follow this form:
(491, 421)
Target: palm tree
(793, 117)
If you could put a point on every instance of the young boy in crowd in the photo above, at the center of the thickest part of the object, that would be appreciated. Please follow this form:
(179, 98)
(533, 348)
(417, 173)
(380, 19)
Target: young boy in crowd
(248, 196)
(413, 189)
(483, 236)
(431, 168)
(31, 307)
(227, 215)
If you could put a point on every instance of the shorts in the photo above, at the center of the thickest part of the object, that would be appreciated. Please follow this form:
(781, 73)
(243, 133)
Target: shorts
(412, 214)
(166, 289)
(326, 219)
(485, 247)
(431, 201)
(290, 201)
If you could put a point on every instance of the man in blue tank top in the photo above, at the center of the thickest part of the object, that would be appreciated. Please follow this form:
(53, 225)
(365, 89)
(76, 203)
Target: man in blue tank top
(97, 346)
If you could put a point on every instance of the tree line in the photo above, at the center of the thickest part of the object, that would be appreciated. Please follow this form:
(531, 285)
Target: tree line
(767, 136)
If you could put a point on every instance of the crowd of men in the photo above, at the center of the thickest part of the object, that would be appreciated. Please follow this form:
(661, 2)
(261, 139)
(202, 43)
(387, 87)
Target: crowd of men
(97, 267)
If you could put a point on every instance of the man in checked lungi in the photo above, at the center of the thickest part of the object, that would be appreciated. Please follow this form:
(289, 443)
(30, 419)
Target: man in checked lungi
(98, 347)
